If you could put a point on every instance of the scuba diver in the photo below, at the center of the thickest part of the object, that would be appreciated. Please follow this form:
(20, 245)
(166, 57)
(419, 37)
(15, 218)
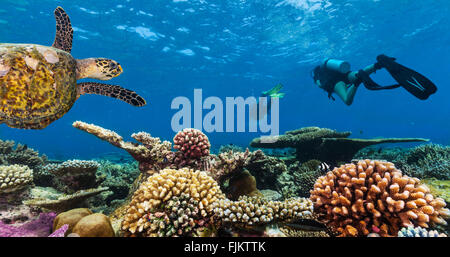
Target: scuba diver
(334, 76)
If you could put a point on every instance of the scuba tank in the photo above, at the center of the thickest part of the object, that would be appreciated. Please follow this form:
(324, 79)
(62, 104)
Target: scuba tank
(336, 65)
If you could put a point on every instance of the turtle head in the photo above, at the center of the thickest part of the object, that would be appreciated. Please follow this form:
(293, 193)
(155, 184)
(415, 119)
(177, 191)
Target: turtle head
(98, 68)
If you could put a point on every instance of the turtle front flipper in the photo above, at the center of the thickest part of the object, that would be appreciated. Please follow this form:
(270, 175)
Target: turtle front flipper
(114, 91)
(64, 31)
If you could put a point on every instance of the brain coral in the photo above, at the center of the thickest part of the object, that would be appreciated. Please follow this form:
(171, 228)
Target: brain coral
(355, 198)
(159, 188)
(14, 177)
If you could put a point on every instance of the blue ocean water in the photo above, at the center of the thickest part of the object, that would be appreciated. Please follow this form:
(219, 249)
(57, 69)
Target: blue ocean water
(168, 48)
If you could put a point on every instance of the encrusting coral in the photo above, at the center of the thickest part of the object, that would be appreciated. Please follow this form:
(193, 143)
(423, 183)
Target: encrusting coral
(14, 177)
(354, 199)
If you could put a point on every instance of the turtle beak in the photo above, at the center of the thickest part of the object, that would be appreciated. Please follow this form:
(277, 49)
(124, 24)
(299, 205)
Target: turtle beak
(119, 69)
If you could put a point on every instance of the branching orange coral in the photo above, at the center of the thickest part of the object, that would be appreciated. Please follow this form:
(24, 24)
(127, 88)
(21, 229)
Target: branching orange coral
(355, 198)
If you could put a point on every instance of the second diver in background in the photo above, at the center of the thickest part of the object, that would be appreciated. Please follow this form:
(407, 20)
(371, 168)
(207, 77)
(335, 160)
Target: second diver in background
(334, 76)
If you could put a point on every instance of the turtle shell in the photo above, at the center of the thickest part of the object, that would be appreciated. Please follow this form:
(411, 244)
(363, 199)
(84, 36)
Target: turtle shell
(37, 85)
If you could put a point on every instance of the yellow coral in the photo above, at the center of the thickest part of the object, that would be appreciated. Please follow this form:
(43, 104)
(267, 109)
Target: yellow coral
(159, 188)
(14, 177)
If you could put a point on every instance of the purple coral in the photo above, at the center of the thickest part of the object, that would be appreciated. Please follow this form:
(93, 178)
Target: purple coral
(40, 227)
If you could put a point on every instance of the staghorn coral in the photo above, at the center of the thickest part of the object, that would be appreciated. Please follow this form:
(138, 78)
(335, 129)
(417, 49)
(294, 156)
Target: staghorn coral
(74, 175)
(65, 202)
(191, 143)
(355, 198)
(152, 154)
(259, 211)
(14, 177)
(159, 188)
(323, 144)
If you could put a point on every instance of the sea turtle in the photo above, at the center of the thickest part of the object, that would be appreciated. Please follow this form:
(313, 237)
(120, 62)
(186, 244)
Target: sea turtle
(38, 84)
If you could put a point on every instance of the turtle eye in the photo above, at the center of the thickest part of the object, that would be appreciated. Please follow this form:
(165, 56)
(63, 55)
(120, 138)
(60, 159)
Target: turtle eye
(113, 65)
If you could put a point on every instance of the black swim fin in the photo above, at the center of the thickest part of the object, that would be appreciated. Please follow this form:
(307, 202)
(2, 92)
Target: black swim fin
(414, 82)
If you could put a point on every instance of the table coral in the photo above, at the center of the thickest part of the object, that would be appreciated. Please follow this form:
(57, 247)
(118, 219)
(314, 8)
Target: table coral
(74, 175)
(14, 177)
(65, 202)
(323, 144)
(355, 198)
(160, 188)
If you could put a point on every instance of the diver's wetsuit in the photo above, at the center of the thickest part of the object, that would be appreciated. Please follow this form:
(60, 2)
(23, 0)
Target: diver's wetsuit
(343, 84)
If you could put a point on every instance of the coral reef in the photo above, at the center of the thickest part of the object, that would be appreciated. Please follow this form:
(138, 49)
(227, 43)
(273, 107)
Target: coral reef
(65, 202)
(419, 232)
(20, 154)
(74, 175)
(225, 165)
(424, 161)
(230, 147)
(354, 198)
(39, 227)
(118, 178)
(300, 179)
(160, 188)
(14, 177)
(265, 168)
(257, 210)
(323, 144)
(427, 161)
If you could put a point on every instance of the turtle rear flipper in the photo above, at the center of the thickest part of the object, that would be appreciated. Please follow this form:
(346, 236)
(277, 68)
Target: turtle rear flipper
(64, 31)
(114, 91)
